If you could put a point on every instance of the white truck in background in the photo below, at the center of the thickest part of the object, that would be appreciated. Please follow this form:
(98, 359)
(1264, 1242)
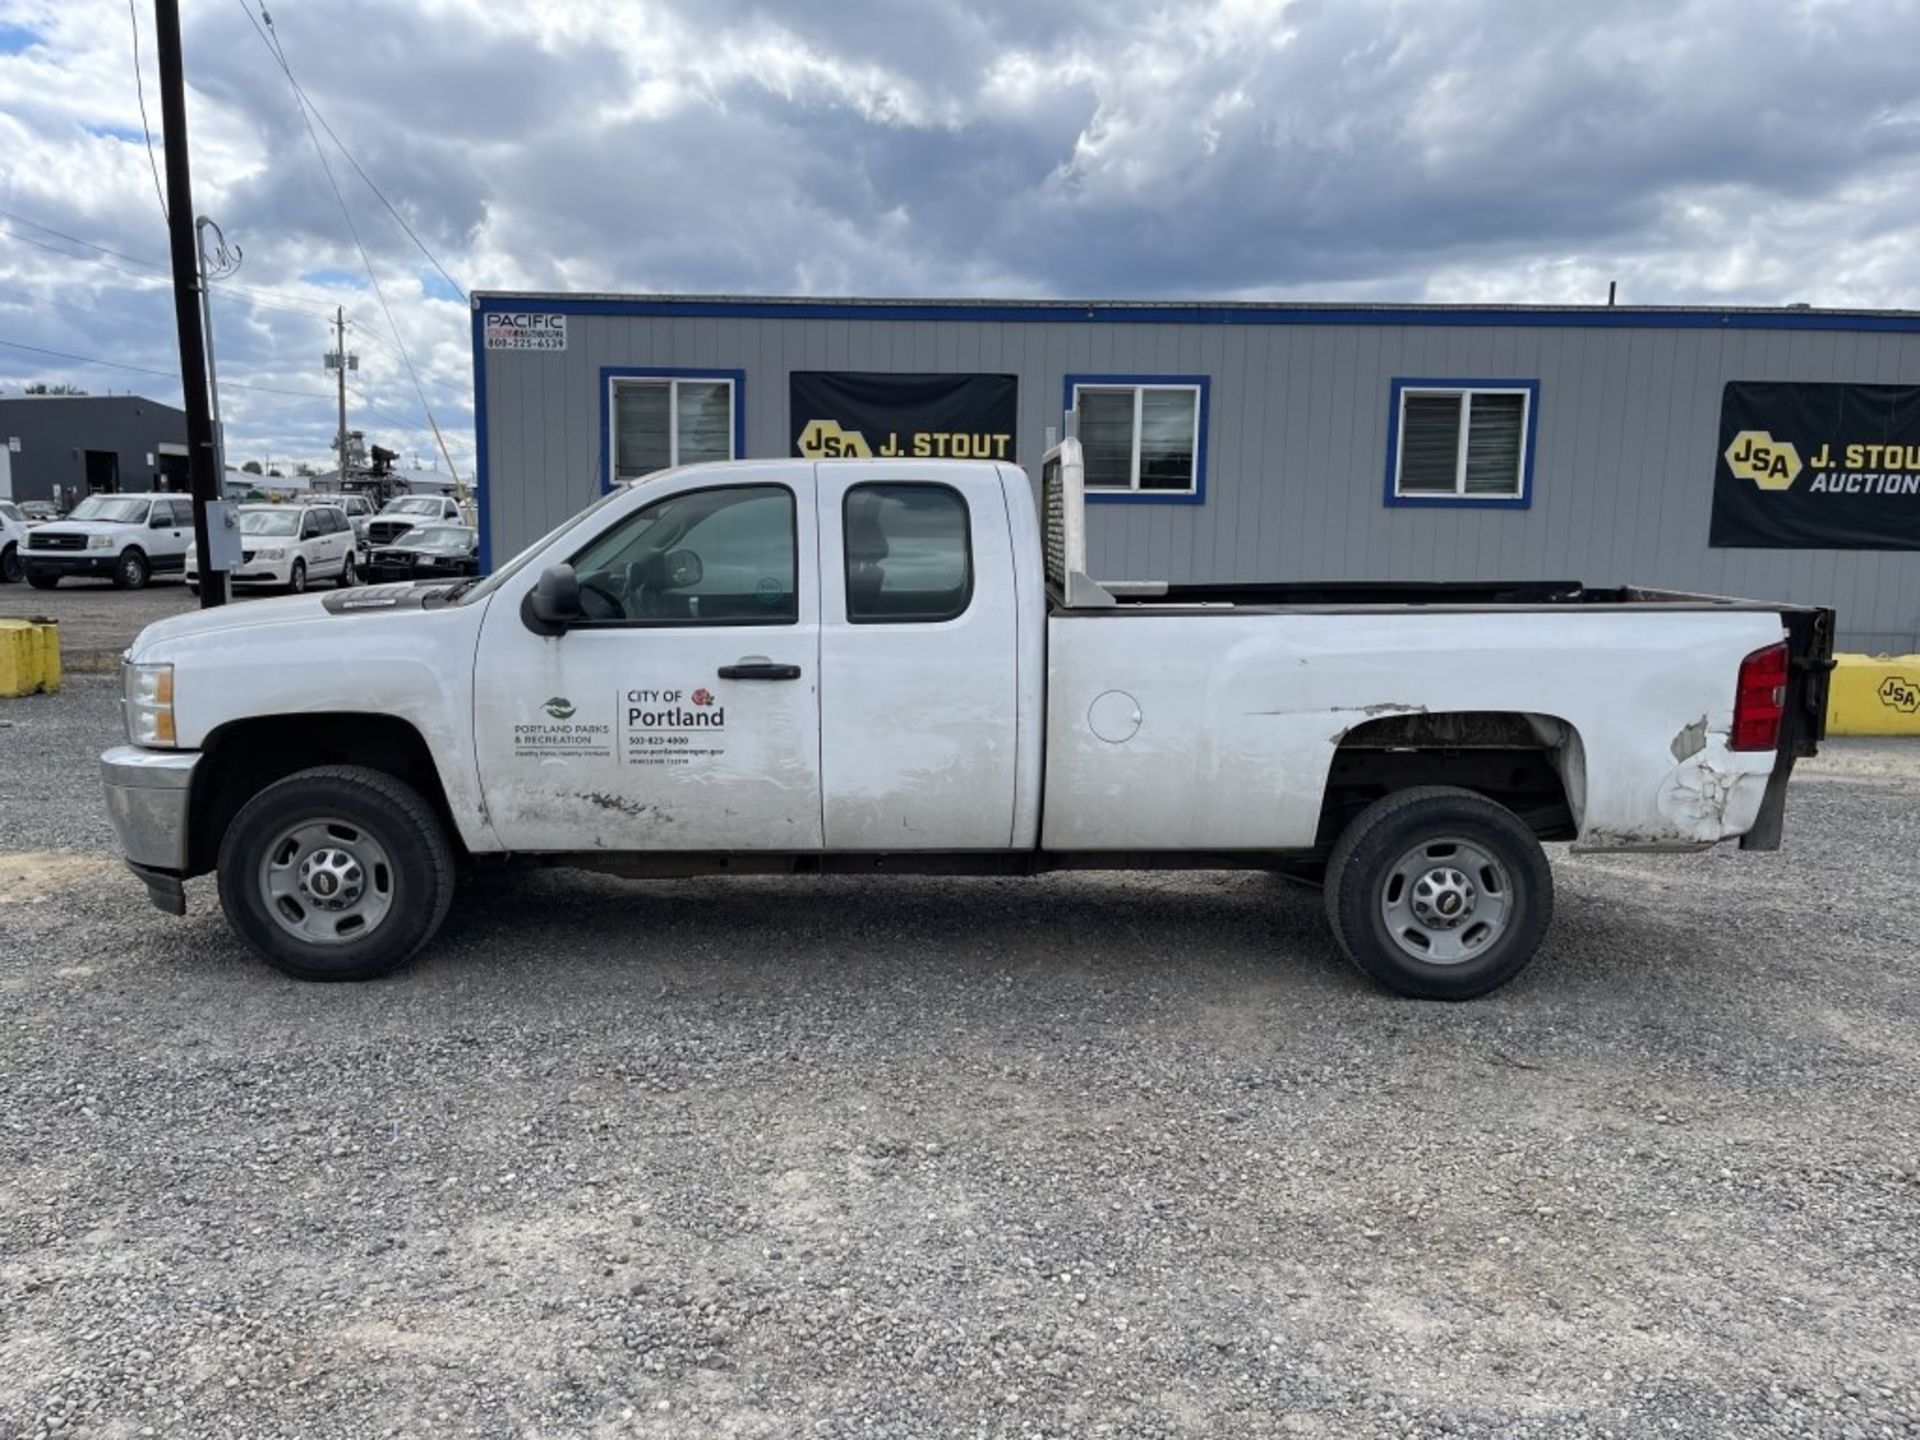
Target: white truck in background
(873, 665)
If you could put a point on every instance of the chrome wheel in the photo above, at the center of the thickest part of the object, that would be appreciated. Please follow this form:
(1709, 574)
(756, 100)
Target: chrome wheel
(1446, 900)
(327, 881)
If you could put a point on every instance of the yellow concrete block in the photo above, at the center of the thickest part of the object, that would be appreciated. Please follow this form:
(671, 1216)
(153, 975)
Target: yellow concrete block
(29, 657)
(1874, 695)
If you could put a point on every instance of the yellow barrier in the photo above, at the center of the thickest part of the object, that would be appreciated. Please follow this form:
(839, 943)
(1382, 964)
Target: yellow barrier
(1874, 695)
(29, 657)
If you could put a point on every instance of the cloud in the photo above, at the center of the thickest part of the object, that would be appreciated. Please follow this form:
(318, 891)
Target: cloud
(1703, 151)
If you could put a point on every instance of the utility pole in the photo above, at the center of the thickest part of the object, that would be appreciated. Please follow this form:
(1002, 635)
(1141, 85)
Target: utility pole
(339, 361)
(186, 309)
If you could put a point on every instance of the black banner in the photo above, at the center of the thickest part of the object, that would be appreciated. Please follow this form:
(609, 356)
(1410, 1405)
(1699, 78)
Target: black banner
(838, 414)
(1818, 466)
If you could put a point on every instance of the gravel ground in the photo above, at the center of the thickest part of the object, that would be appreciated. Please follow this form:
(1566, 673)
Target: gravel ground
(865, 1157)
(97, 622)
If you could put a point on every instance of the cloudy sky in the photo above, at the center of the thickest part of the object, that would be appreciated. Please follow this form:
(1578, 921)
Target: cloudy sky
(1740, 151)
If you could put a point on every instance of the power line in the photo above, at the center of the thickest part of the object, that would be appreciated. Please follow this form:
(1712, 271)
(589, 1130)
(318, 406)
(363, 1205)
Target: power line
(298, 305)
(353, 230)
(273, 48)
(140, 89)
(172, 375)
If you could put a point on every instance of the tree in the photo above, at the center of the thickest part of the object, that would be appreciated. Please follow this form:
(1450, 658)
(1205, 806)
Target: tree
(305, 469)
(40, 387)
(252, 467)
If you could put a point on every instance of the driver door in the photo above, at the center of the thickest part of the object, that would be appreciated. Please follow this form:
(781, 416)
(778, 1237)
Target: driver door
(683, 711)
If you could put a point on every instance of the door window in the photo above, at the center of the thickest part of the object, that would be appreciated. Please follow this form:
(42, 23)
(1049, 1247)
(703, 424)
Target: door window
(908, 554)
(720, 556)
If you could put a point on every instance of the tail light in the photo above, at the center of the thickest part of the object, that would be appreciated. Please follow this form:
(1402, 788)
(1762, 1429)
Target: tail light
(1760, 699)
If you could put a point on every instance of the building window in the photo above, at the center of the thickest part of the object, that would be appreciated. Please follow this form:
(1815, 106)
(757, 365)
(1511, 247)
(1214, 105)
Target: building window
(1461, 442)
(660, 421)
(909, 559)
(1143, 437)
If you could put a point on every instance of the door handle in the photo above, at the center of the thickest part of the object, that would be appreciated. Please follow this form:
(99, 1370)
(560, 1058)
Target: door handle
(754, 668)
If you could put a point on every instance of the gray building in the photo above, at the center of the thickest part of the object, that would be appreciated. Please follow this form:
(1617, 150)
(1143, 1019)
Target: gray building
(1231, 442)
(82, 444)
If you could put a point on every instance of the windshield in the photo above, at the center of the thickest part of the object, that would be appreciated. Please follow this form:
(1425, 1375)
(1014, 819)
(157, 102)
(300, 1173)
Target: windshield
(119, 509)
(519, 562)
(269, 522)
(413, 505)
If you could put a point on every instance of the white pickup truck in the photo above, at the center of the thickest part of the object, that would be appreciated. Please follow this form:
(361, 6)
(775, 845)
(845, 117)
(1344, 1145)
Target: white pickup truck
(896, 665)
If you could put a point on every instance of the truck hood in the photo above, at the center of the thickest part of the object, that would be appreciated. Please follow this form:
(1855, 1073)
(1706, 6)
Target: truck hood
(363, 601)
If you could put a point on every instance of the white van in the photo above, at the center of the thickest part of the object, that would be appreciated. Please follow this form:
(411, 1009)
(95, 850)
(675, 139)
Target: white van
(290, 545)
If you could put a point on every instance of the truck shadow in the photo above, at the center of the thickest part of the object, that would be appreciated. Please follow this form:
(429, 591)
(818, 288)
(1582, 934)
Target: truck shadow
(1237, 925)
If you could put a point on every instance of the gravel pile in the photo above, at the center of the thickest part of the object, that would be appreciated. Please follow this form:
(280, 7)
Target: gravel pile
(1092, 1155)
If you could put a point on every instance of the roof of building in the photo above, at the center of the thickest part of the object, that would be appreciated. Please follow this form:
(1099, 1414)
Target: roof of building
(1218, 312)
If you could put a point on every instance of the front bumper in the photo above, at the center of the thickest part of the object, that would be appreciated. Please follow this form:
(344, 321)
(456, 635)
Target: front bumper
(253, 572)
(147, 797)
(69, 562)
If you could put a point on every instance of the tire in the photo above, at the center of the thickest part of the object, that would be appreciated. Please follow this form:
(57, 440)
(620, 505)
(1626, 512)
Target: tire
(43, 582)
(11, 570)
(347, 576)
(374, 836)
(130, 571)
(297, 578)
(193, 587)
(1408, 878)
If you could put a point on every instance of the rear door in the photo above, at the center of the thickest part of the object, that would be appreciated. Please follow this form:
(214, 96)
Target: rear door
(919, 681)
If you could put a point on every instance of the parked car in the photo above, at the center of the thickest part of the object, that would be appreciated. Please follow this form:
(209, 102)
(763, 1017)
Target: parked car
(401, 515)
(38, 512)
(426, 552)
(359, 511)
(124, 538)
(290, 546)
(13, 534)
(902, 665)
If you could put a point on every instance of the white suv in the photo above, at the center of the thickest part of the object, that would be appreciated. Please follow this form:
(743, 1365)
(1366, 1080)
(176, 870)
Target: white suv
(128, 539)
(290, 546)
(13, 533)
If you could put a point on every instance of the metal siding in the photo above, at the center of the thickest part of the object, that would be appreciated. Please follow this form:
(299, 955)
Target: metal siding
(1625, 432)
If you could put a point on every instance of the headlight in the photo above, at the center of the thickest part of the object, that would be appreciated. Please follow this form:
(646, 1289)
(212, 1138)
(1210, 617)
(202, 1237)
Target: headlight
(147, 699)
(99, 542)
(272, 552)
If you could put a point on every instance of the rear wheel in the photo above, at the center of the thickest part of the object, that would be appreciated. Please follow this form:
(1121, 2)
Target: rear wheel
(11, 570)
(337, 873)
(130, 571)
(347, 573)
(1439, 893)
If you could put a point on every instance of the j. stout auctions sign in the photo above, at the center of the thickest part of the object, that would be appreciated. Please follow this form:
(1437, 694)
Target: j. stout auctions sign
(848, 414)
(1826, 466)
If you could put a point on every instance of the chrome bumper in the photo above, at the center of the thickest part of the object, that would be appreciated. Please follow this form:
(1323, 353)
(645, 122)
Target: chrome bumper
(147, 793)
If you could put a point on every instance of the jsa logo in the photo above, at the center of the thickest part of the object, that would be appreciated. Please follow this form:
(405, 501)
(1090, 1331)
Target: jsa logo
(1771, 464)
(825, 440)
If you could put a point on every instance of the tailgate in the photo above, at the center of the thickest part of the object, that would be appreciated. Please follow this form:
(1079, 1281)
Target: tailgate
(1804, 725)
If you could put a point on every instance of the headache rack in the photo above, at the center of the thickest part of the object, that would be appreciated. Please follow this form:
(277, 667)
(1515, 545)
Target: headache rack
(1063, 529)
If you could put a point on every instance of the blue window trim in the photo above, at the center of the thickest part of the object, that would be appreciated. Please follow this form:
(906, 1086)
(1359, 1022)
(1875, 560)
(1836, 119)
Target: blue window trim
(1195, 496)
(1522, 501)
(610, 373)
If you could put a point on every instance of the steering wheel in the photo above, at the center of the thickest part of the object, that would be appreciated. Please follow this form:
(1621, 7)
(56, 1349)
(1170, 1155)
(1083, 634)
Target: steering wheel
(604, 605)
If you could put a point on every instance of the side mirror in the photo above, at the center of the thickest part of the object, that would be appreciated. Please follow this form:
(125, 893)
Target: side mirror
(554, 602)
(683, 568)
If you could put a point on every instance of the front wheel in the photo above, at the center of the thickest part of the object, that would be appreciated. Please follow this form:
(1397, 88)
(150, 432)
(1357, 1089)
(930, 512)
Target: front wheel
(130, 571)
(297, 578)
(1439, 893)
(336, 873)
(11, 570)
